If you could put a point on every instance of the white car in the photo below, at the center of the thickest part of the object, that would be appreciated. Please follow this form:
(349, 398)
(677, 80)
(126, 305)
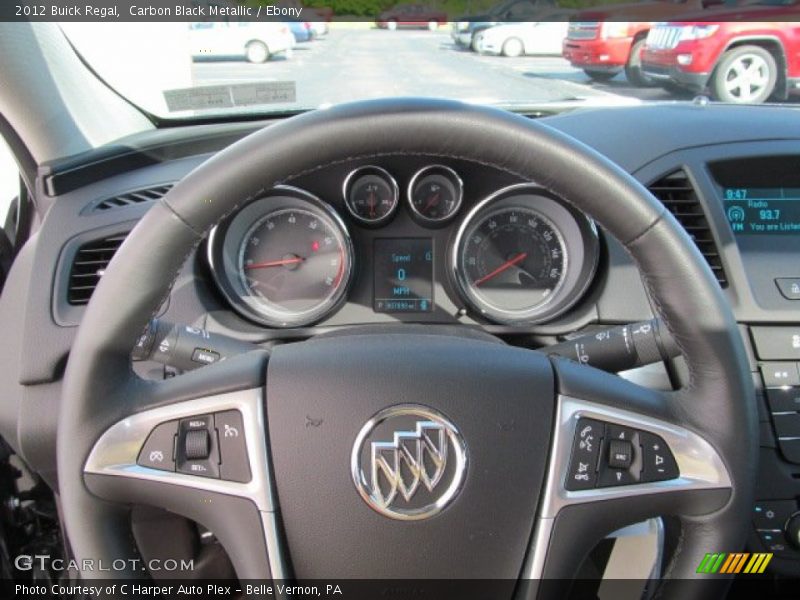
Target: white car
(319, 28)
(516, 39)
(257, 42)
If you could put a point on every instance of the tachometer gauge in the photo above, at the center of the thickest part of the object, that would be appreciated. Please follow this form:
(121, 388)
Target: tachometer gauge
(371, 195)
(287, 259)
(521, 257)
(435, 194)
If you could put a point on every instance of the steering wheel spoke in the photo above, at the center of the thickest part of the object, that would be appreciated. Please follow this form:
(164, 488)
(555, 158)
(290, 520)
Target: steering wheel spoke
(618, 457)
(196, 446)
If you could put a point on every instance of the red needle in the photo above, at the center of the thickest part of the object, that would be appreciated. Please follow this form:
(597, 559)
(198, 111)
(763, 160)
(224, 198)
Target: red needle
(433, 200)
(501, 268)
(275, 263)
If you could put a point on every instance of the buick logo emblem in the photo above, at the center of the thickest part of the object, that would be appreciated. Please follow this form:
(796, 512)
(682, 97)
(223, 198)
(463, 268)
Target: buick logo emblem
(408, 462)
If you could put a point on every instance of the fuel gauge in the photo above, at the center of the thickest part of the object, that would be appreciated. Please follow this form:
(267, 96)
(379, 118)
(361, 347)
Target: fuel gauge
(371, 195)
(435, 194)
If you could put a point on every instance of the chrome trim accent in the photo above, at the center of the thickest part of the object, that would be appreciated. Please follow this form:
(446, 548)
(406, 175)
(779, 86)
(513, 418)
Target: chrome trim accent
(116, 451)
(366, 479)
(699, 464)
(454, 179)
(700, 468)
(537, 551)
(658, 567)
(388, 178)
(277, 562)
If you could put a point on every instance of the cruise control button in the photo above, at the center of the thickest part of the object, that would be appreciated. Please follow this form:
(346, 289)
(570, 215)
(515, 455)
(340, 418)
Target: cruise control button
(658, 464)
(197, 444)
(157, 451)
(773, 514)
(198, 422)
(198, 451)
(234, 464)
(582, 474)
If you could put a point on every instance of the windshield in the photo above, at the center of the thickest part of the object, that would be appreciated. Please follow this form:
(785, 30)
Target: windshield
(180, 70)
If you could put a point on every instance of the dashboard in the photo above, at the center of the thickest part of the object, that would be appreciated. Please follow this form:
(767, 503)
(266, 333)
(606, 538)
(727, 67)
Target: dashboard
(409, 241)
(444, 248)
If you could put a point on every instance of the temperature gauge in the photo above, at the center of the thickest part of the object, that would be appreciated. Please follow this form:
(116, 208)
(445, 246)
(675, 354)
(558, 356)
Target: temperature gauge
(371, 195)
(435, 194)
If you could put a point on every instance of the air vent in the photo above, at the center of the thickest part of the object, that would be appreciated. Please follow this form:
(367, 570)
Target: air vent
(88, 267)
(134, 197)
(676, 192)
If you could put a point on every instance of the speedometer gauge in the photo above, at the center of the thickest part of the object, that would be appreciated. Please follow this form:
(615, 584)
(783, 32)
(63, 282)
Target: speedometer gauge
(287, 259)
(522, 256)
(514, 260)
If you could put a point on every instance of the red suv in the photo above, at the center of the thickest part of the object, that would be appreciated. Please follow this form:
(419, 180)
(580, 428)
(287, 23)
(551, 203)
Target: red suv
(736, 61)
(602, 46)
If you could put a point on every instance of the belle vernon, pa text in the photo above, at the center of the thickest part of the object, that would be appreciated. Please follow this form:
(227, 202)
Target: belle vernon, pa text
(138, 590)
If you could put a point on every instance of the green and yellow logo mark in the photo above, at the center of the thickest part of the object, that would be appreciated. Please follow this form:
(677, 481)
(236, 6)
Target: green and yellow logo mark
(735, 562)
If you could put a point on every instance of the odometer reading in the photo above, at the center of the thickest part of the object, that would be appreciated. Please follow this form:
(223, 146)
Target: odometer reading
(513, 260)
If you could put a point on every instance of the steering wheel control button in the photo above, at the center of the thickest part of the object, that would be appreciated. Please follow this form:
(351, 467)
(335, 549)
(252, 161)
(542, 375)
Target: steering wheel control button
(234, 464)
(619, 432)
(197, 444)
(408, 462)
(658, 463)
(158, 452)
(620, 454)
(773, 514)
(582, 474)
(609, 477)
(776, 343)
(789, 287)
(780, 374)
(784, 399)
(198, 452)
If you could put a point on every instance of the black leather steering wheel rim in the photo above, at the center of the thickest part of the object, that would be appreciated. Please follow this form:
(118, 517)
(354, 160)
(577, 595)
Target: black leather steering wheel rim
(101, 389)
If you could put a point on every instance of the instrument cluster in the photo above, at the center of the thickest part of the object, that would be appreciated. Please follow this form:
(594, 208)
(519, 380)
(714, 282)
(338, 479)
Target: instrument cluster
(518, 256)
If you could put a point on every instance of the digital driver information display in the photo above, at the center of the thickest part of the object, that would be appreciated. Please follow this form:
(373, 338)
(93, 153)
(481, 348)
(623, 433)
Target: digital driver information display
(403, 275)
(763, 211)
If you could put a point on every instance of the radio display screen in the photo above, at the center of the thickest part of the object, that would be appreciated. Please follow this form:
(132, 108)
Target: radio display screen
(403, 275)
(763, 211)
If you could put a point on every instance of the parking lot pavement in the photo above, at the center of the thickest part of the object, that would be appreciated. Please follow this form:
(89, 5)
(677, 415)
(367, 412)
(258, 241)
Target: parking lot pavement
(373, 63)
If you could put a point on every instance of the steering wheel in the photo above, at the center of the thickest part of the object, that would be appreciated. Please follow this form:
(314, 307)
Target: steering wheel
(410, 455)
